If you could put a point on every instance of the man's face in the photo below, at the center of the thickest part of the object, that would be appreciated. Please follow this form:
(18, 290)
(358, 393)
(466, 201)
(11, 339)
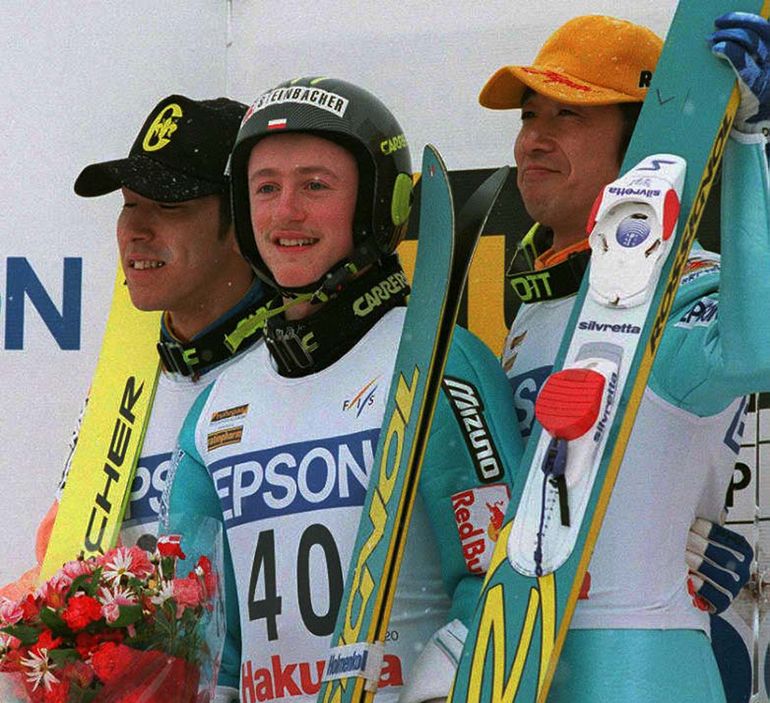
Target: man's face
(302, 193)
(176, 259)
(565, 155)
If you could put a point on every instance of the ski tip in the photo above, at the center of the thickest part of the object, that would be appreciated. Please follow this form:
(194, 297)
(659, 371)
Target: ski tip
(496, 181)
(476, 210)
(432, 160)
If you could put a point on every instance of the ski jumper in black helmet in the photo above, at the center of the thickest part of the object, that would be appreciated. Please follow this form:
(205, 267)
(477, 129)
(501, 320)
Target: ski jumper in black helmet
(356, 120)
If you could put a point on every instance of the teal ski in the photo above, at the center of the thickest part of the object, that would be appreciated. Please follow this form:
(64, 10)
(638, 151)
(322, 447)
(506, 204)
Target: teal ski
(443, 256)
(540, 560)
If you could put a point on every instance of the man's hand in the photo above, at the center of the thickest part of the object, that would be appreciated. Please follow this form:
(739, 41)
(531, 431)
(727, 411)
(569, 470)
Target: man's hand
(743, 40)
(719, 561)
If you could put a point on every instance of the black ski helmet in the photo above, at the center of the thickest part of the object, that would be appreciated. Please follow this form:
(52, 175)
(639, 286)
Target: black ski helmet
(356, 120)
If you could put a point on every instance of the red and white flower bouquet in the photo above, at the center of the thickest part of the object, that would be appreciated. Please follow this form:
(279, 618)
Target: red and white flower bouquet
(125, 627)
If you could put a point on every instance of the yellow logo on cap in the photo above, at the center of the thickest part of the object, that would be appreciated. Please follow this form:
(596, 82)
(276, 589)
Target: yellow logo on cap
(162, 127)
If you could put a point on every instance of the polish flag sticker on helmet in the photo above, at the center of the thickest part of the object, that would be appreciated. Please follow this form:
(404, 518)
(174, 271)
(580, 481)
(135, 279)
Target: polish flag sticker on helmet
(277, 124)
(305, 95)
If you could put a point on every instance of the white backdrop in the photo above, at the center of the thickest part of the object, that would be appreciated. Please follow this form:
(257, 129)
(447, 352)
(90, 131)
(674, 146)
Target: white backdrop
(77, 79)
(426, 60)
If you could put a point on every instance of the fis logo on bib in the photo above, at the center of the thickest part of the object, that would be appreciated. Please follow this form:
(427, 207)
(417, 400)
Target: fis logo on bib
(291, 479)
(363, 399)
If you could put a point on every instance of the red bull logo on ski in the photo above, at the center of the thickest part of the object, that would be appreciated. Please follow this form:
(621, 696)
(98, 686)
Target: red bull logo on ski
(585, 587)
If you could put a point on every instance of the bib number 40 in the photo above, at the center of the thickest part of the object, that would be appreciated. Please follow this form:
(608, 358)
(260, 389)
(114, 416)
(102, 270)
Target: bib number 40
(316, 549)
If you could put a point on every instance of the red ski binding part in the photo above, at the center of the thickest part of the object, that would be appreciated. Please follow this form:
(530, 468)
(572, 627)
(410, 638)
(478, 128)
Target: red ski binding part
(569, 402)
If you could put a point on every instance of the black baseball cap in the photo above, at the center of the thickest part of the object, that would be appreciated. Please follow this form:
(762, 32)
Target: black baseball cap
(181, 153)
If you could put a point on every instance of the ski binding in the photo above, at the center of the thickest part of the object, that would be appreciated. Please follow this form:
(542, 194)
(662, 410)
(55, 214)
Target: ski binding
(630, 230)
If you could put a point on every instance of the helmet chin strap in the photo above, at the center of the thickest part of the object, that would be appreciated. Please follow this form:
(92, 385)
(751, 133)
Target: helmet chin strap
(339, 276)
(313, 342)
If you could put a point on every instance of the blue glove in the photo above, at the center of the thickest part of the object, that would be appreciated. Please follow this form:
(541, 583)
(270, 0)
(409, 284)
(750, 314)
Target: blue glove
(719, 561)
(743, 40)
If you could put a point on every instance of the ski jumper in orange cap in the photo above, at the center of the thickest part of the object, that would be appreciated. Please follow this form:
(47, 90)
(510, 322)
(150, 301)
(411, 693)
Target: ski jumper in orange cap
(635, 634)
